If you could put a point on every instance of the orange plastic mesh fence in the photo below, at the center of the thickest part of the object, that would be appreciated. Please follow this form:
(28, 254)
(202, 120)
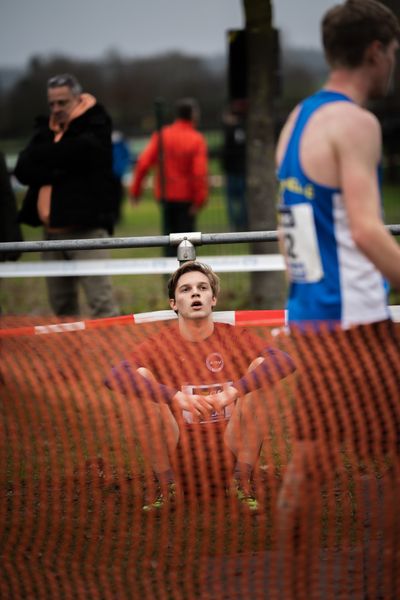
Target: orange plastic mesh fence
(78, 461)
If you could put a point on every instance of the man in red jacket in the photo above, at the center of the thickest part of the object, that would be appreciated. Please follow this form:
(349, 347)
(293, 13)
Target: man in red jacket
(179, 153)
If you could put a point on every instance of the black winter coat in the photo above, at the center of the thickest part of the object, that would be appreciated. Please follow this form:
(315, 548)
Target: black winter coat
(10, 230)
(79, 169)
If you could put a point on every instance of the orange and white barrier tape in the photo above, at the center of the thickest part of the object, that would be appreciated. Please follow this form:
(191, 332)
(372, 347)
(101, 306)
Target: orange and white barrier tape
(269, 318)
(266, 318)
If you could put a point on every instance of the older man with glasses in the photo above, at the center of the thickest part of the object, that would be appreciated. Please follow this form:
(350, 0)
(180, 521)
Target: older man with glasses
(72, 193)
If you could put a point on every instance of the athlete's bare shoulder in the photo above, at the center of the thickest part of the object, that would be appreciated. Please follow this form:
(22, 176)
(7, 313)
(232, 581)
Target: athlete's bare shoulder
(334, 132)
(349, 112)
(347, 118)
(353, 131)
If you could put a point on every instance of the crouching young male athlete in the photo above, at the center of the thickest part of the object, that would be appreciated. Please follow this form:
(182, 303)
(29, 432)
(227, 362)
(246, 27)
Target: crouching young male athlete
(195, 370)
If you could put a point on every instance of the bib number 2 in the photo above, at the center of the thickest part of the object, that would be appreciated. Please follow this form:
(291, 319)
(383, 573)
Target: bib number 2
(303, 259)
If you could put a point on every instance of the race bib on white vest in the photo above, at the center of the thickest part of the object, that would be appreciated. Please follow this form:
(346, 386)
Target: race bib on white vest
(303, 259)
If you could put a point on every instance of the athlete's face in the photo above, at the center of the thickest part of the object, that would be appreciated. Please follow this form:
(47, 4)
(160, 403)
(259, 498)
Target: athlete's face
(385, 59)
(194, 298)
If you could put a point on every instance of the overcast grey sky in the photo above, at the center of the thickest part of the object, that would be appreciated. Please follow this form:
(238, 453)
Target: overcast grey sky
(89, 28)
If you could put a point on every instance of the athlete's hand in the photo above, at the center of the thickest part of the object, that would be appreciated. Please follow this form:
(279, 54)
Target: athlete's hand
(228, 395)
(199, 406)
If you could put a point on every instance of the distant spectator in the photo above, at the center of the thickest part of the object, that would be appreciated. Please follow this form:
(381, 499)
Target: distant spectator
(9, 227)
(234, 164)
(122, 164)
(72, 192)
(180, 154)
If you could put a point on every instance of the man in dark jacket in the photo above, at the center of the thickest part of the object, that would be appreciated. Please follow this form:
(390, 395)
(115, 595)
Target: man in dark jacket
(10, 230)
(67, 167)
(9, 227)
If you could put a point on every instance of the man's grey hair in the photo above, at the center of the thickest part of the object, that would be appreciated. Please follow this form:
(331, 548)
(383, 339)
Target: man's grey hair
(65, 79)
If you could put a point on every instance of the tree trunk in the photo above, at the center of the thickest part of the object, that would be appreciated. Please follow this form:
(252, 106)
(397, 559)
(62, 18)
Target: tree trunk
(268, 289)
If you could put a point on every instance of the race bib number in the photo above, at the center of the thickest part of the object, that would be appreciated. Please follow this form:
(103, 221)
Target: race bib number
(301, 249)
(206, 390)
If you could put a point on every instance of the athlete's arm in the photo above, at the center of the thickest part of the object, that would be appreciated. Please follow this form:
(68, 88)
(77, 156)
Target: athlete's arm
(358, 145)
(197, 404)
(128, 379)
(141, 381)
(264, 370)
(267, 369)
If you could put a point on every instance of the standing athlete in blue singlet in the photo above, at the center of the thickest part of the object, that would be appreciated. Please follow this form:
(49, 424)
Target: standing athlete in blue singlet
(331, 278)
(337, 250)
(340, 260)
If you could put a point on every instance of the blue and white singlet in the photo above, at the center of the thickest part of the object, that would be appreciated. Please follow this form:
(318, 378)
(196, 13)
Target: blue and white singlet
(330, 279)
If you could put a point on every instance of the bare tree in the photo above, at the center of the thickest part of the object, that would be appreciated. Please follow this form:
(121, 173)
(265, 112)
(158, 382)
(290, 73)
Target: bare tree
(268, 289)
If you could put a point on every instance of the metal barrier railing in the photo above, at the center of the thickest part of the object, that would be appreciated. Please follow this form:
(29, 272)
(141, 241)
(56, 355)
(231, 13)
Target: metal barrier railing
(174, 239)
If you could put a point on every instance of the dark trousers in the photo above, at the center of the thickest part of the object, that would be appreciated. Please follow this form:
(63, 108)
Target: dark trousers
(176, 218)
(236, 202)
(63, 292)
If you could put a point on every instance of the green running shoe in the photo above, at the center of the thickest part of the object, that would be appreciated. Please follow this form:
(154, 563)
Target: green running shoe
(244, 495)
(164, 498)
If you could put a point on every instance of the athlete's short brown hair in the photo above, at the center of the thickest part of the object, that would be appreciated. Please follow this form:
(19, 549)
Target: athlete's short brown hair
(187, 267)
(349, 28)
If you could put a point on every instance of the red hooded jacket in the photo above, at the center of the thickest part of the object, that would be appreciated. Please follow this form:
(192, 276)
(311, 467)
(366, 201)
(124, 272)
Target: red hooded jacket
(184, 174)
